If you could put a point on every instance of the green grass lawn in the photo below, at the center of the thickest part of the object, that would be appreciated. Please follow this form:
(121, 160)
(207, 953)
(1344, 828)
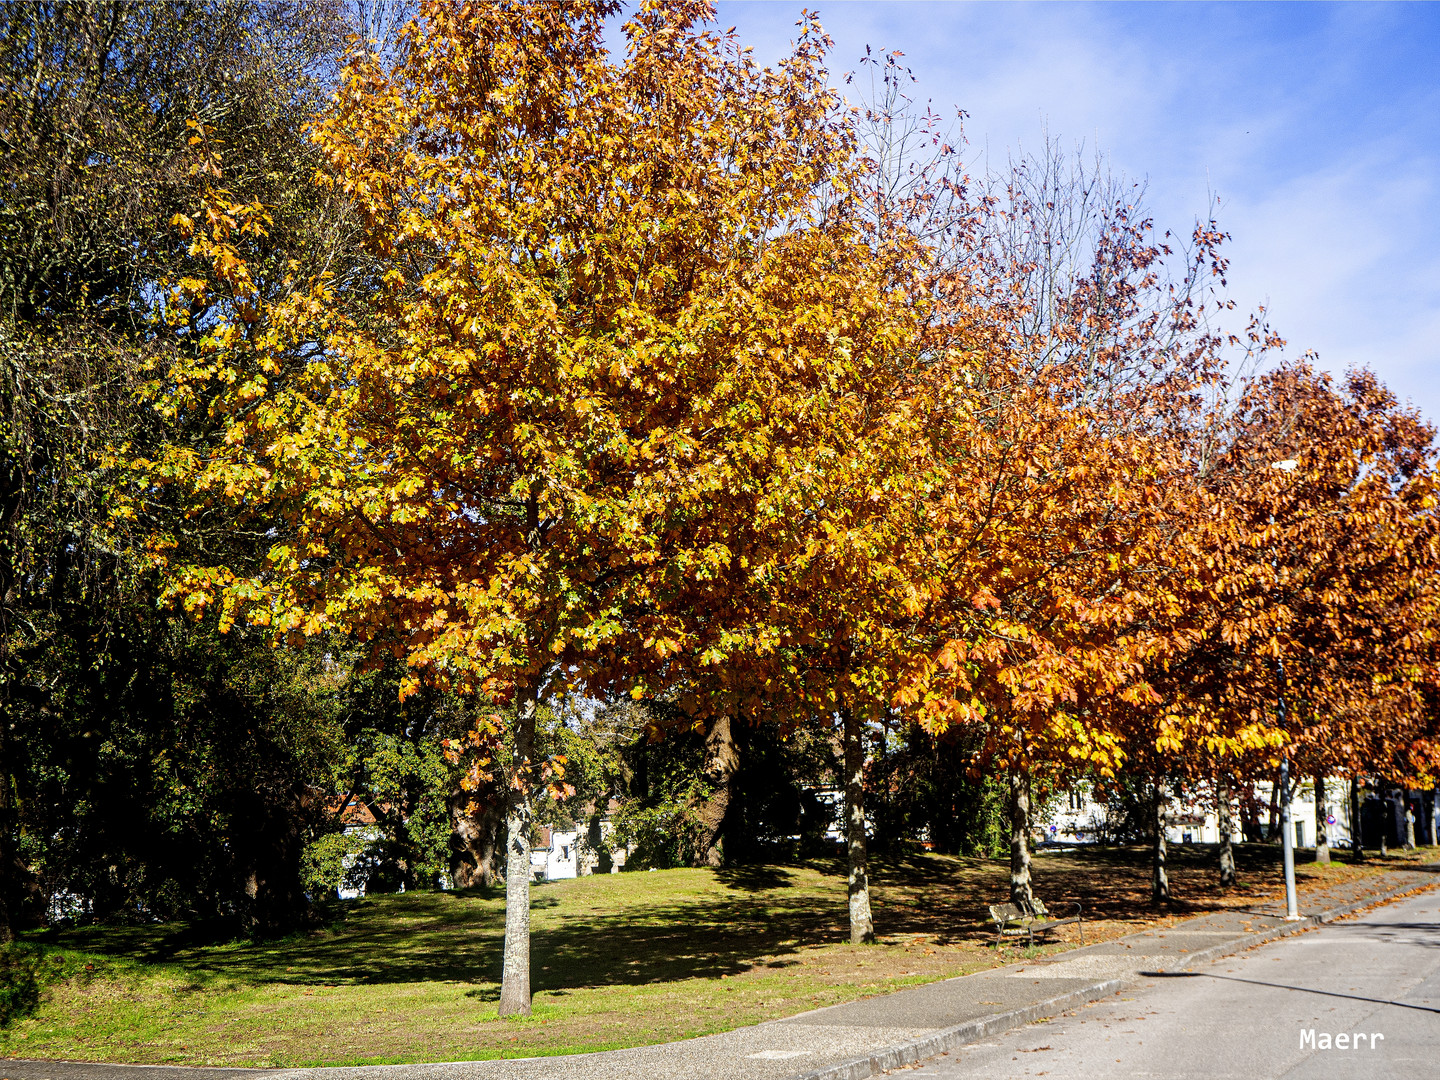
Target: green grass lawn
(618, 960)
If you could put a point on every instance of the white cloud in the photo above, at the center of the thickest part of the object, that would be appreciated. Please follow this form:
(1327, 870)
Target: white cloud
(1350, 268)
(1325, 155)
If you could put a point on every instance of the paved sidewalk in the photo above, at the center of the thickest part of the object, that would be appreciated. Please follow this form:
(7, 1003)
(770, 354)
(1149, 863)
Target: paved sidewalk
(860, 1038)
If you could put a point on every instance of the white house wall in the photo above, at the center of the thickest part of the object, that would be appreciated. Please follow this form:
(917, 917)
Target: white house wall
(1078, 818)
(560, 859)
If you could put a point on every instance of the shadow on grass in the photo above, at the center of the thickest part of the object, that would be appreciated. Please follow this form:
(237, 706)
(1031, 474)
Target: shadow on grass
(611, 931)
(428, 937)
(754, 878)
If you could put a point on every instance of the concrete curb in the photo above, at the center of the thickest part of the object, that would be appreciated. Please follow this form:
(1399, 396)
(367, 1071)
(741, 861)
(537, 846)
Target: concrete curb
(907, 1053)
(938, 1042)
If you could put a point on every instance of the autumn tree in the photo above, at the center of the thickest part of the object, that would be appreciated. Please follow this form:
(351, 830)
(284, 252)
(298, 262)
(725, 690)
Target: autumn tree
(1061, 474)
(1311, 594)
(611, 298)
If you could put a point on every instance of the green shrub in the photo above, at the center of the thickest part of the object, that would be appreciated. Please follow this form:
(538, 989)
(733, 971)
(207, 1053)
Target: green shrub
(658, 837)
(322, 867)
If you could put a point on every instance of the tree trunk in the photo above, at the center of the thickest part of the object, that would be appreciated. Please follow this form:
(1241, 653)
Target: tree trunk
(8, 833)
(1249, 814)
(1020, 892)
(1434, 813)
(1357, 836)
(1272, 834)
(515, 977)
(1387, 814)
(722, 759)
(1322, 836)
(595, 837)
(9, 818)
(1226, 823)
(266, 845)
(1409, 824)
(1160, 885)
(862, 925)
(7, 846)
(881, 811)
(472, 842)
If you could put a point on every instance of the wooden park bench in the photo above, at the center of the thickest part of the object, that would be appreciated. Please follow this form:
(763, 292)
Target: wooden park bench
(1030, 919)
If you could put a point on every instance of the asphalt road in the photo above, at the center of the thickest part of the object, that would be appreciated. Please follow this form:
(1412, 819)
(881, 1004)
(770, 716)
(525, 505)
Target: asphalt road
(1373, 980)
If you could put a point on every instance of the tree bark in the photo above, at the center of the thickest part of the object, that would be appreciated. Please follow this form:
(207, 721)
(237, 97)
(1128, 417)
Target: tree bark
(862, 924)
(266, 846)
(1434, 813)
(1226, 823)
(1249, 814)
(1387, 812)
(515, 977)
(1160, 884)
(1322, 837)
(8, 830)
(472, 842)
(722, 760)
(10, 543)
(1357, 836)
(1272, 834)
(1020, 891)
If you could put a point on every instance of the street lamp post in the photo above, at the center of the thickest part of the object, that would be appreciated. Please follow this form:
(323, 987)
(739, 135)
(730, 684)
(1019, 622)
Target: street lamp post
(1287, 826)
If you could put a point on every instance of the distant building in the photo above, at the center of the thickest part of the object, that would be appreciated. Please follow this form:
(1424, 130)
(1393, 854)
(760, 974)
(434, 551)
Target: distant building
(555, 854)
(568, 849)
(358, 823)
(1079, 819)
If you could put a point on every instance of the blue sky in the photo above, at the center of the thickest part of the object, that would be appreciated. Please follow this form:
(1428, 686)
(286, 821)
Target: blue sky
(1316, 125)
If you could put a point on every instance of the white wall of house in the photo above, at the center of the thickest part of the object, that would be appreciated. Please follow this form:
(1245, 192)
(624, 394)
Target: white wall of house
(1305, 814)
(1188, 824)
(559, 858)
(1077, 817)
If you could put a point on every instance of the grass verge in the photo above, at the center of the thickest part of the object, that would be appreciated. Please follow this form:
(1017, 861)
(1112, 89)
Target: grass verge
(618, 960)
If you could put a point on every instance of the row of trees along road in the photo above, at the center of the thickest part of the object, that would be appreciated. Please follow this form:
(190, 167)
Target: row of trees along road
(520, 369)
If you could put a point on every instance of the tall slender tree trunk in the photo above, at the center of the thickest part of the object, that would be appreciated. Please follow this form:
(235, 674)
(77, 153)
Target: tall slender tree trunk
(8, 831)
(862, 924)
(1322, 835)
(1227, 828)
(722, 760)
(1272, 833)
(9, 817)
(1249, 814)
(1387, 823)
(1020, 890)
(1160, 883)
(1357, 835)
(515, 977)
(1434, 813)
